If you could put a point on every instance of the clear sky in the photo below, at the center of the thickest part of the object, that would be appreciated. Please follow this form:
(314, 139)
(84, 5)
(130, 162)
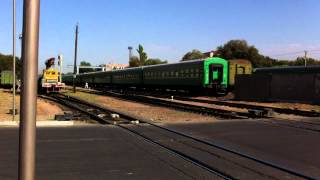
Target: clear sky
(167, 28)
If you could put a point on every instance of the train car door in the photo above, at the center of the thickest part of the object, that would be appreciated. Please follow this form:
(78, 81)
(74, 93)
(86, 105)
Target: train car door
(240, 69)
(215, 73)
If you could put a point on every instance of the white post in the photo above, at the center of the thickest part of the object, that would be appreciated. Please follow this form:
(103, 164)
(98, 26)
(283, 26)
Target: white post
(305, 58)
(14, 60)
(60, 59)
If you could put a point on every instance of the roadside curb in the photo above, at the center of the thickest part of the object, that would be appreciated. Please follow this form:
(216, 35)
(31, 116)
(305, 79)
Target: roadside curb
(39, 123)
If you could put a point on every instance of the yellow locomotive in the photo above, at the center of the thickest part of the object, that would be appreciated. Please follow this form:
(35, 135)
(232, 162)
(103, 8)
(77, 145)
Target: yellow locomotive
(50, 81)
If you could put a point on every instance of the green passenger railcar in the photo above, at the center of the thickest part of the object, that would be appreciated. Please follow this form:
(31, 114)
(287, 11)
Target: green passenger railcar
(130, 77)
(67, 78)
(197, 75)
(6, 79)
(211, 73)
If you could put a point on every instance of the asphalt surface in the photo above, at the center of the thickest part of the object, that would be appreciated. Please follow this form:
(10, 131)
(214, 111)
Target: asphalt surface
(107, 152)
(95, 152)
(293, 148)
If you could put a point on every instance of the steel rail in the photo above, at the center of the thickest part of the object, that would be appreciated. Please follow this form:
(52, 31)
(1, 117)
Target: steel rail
(246, 106)
(180, 154)
(215, 145)
(251, 106)
(180, 106)
(206, 110)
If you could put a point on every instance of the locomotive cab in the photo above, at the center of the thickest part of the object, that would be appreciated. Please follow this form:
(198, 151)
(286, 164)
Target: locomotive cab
(51, 78)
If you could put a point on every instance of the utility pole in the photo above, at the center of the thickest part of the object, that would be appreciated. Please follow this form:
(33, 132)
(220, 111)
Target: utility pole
(75, 59)
(14, 60)
(20, 37)
(130, 52)
(28, 105)
(305, 58)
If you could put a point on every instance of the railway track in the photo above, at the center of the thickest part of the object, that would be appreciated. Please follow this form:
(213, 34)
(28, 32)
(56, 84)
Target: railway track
(288, 111)
(217, 112)
(226, 114)
(222, 162)
(258, 107)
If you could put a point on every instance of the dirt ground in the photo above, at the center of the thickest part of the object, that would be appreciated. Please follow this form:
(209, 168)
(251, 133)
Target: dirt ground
(45, 110)
(165, 115)
(301, 106)
(154, 113)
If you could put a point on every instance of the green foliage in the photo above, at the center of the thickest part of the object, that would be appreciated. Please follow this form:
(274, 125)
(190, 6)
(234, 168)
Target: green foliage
(300, 61)
(85, 70)
(154, 62)
(143, 60)
(6, 64)
(239, 49)
(194, 54)
(85, 63)
(142, 55)
(134, 61)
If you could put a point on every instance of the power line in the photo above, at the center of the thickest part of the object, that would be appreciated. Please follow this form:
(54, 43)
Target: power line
(294, 53)
(286, 54)
(316, 50)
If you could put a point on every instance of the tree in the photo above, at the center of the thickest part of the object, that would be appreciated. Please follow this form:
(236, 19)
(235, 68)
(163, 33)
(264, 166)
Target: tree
(134, 61)
(239, 49)
(6, 64)
(142, 55)
(301, 60)
(85, 63)
(85, 70)
(194, 54)
(154, 62)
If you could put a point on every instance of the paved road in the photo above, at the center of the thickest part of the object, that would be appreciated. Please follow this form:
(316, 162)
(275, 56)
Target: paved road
(94, 152)
(289, 147)
(106, 152)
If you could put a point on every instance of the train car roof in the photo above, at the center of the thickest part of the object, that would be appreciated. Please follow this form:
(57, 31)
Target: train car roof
(311, 69)
(157, 65)
(182, 62)
(244, 61)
